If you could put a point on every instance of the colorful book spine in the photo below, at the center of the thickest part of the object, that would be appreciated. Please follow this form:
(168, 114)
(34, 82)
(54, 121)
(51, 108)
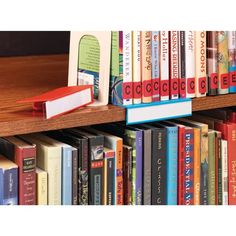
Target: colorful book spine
(172, 150)
(127, 68)
(200, 60)
(224, 159)
(137, 85)
(232, 60)
(182, 64)
(223, 60)
(211, 168)
(212, 69)
(146, 66)
(155, 66)
(41, 187)
(190, 63)
(164, 65)
(174, 64)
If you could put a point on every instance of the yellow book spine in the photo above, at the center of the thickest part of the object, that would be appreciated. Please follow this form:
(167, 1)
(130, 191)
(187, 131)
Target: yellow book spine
(42, 187)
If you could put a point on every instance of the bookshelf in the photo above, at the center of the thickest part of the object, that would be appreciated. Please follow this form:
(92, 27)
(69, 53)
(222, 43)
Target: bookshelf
(26, 76)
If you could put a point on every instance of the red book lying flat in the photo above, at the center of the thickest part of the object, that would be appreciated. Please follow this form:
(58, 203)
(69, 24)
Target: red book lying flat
(61, 100)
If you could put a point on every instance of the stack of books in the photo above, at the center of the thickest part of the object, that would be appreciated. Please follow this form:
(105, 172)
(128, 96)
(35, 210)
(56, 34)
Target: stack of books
(176, 162)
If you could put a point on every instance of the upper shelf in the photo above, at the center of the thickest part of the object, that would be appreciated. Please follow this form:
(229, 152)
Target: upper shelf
(22, 77)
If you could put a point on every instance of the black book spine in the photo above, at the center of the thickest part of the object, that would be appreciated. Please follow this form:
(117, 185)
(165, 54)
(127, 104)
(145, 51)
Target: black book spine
(159, 167)
(110, 181)
(74, 176)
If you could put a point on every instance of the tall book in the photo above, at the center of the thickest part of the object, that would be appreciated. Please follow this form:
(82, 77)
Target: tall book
(164, 65)
(223, 75)
(224, 159)
(42, 187)
(200, 60)
(24, 155)
(174, 64)
(146, 66)
(8, 182)
(155, 66)
(137, 85)
(212, 70)
(48, 159)
(232, 60)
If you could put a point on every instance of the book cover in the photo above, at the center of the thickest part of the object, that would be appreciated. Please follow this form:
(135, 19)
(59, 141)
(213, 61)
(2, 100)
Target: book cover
(42, 187)
(174, 64)
(212, 69)
(155, 66)
(8, 182)
(223, 60)
(200, 60)
(224, 159)
(137, 85)
(164, 65)
(146, 66)
(24, 155)
(232, 60)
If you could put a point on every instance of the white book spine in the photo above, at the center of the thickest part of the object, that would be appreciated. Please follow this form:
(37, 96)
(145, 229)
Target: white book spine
(127, 66)
(231, 40)
(137, 87)
(190, 63)
(224, 158)
(164, 65)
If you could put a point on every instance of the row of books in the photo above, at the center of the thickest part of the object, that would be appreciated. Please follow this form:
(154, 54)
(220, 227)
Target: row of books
(151, 66)
(184, 161)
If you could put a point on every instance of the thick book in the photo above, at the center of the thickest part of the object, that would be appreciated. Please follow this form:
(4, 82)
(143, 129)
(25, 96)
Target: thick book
(223, 75)
(8, 182)
(24, 155)
(41, 187)
(200, 60)
(127, 174)
(212, 69)
(109, 172)
(48, 159)
(164, 65)
(224, 159)
(232, 60)
(61, 100)
(146, 66)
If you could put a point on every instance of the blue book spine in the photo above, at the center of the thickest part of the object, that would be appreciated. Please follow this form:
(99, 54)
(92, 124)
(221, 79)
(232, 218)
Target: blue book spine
(171, 162)
(232, 88)
(139, 167)
(1, 187)
(67, 176)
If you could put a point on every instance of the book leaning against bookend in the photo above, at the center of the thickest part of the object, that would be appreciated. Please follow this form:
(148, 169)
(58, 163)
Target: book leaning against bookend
(8, 182)
(42, 187)
(49, 160)
(24, 155)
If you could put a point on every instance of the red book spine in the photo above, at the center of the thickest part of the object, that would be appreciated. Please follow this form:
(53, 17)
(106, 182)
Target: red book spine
(25, 159)
(232, 117)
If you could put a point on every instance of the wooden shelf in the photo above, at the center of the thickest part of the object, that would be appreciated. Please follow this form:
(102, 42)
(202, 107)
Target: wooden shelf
(27, 76)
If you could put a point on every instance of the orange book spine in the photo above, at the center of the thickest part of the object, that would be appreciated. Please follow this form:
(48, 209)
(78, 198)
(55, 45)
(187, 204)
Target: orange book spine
(197, 166)
(119, 174)
(146, 66)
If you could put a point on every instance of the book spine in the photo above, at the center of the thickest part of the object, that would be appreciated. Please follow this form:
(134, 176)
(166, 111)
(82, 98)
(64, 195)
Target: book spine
(223, 75)
(232, 60)
(174, 64)
(197, 166)
(200, 60)
(139, 167)
(66, 176)
(147, 167)
(9, 187)
(182, 64)
(212, 74)
(42, 188)
(127, 68)
(172, 150)
(119, 173)
(224, 159)
(164, 65)
(146, 66)
(137, 85)
(120, 92)
(218, 169)
(190, 63)
(25, 159)
(211, 168)
(189, 168)
(204, 167)
(155, 66)
(75, 177)
(83, 183)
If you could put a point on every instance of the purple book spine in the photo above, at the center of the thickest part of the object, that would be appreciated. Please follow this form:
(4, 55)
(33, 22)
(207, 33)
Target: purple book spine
(139, 167)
